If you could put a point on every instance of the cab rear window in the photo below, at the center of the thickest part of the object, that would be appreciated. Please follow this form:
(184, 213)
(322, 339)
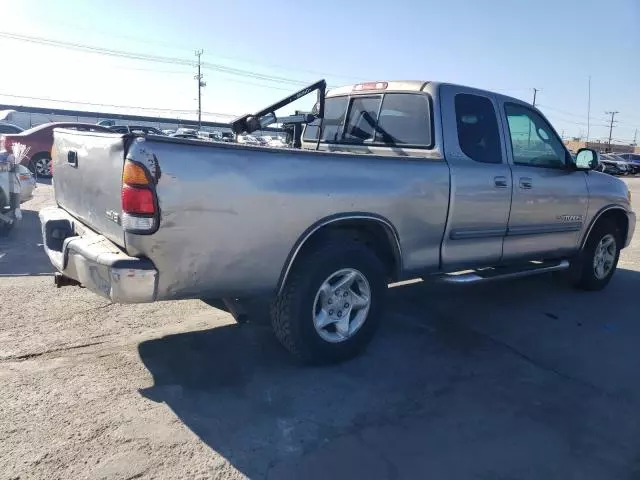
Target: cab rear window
(335, 109)
(389, 119)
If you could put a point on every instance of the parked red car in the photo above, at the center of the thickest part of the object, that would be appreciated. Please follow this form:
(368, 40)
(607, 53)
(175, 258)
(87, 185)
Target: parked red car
(39, 140)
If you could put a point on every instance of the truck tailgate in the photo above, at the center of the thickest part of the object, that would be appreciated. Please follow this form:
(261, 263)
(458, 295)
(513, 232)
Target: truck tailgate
(87, 169)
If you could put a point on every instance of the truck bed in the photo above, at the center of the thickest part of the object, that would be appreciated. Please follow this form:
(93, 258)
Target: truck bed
(231, 215)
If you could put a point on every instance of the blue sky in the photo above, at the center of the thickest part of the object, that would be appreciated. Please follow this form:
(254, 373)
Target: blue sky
(506, 46)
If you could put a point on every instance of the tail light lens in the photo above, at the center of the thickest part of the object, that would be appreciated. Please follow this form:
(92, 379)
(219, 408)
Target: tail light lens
(139, 202)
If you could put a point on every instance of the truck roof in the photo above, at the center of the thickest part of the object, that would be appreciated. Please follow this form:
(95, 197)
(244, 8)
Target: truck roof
(400, 86)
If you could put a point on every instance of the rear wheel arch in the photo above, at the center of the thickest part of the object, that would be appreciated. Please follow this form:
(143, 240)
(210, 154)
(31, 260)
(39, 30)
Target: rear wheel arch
(375, 231)
(40, 155)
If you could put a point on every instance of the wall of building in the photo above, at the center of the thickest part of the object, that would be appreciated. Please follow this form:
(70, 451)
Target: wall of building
(27, 117)
(575, 145)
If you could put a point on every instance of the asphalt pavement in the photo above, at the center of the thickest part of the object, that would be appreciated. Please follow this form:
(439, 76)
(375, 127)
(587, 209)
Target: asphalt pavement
(524, 379)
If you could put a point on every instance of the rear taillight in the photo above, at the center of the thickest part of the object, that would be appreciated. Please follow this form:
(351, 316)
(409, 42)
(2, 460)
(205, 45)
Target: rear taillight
(139, 202)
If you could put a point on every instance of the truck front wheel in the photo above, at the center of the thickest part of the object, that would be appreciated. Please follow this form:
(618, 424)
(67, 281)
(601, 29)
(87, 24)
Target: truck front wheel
(599, 259)
(331, 304)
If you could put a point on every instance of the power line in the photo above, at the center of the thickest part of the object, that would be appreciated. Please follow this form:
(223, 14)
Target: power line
(185, 48)
(545, 107)
(151, 58)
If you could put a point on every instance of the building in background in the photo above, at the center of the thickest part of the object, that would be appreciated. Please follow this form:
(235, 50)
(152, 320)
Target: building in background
(27, 117)
(598, 146)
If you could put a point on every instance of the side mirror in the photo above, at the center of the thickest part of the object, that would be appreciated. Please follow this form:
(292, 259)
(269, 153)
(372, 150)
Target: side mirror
(586, 159)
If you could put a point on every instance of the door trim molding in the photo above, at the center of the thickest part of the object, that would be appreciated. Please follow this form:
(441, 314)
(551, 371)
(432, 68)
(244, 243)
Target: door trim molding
(542, 229)
(469, 233)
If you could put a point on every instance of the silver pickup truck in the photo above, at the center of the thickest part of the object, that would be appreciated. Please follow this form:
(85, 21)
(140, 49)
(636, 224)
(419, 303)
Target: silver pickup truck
(393, 181)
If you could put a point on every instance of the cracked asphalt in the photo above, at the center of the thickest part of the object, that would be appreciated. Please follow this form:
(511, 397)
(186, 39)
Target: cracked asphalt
(516, 380)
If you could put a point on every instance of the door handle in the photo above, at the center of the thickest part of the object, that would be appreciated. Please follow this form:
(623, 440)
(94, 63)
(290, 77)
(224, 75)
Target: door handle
(72, 158)
(526, 182)
(500, 182)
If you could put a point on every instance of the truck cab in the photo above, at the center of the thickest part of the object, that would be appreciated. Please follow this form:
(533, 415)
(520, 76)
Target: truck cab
(515, 190)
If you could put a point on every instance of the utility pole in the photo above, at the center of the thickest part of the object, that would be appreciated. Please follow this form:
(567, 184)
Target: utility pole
(588, 113)
(635, 137)
(201, 84)
(535, 92)
(613, 114)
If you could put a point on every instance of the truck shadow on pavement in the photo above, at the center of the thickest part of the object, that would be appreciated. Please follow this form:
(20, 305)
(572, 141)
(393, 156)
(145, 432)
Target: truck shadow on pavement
(21, 252)
(490, 381)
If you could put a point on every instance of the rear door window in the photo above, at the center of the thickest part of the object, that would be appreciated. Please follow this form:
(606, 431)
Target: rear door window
(477, 123)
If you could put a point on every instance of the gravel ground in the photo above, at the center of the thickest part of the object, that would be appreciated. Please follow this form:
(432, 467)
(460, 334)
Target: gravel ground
(523, 379)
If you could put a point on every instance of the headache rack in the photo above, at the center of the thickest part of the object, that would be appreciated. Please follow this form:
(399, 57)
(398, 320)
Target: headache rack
(292, 123)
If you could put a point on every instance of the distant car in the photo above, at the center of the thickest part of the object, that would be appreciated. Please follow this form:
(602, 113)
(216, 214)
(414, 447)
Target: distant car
(39, 141)
(248, 140)
(9, 128)
(168, 132)
(187, 131)
(136, 129)
(609, 164)
(630, 166)
(185, 135)
(633, 158)
(27, 183)
(211, 136)
(278, 143)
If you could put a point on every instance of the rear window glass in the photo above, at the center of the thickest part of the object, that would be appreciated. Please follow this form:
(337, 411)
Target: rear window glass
(363, 116)
(335, 110)
(404, 119)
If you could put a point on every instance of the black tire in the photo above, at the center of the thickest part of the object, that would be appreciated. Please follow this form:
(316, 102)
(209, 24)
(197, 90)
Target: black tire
(6, 228)
(292, 315)
(585, 277)
(39, 158)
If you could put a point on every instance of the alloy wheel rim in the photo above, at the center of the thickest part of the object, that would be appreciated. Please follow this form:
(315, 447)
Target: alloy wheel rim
(604, 257)
(341, 305)
(43, 167)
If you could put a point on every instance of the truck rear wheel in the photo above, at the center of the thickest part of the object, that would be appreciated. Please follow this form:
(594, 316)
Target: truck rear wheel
(331, 304)
(5, 228)
(599, 259)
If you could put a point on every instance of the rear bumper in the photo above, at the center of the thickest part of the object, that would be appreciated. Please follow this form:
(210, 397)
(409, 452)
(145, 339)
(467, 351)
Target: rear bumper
(96, 262)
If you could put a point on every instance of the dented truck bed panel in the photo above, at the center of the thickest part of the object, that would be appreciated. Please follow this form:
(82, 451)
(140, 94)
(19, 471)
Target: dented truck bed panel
(231, 215)
(88, 173)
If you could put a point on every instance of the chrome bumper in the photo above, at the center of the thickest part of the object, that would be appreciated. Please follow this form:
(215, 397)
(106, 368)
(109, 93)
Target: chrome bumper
(94, 261)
